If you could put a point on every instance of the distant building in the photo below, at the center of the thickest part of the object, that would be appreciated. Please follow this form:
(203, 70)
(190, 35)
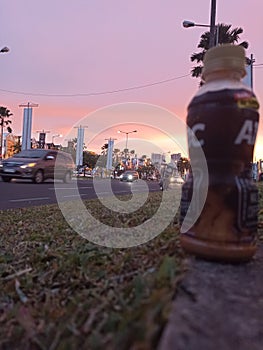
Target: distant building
(156, 158)
(175, 157)
(140, 162)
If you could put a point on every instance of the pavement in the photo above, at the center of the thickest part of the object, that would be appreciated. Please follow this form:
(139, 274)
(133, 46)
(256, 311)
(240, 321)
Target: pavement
(217, 307)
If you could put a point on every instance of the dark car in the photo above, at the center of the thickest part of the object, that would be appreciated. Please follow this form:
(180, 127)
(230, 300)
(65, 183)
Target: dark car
(129, 176)
(37, 165)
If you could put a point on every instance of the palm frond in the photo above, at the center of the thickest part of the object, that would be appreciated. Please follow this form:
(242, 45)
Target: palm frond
(244, 44)
(224, 35)
(198, 56)
(204, 41)
(236, 32)
(196, 71)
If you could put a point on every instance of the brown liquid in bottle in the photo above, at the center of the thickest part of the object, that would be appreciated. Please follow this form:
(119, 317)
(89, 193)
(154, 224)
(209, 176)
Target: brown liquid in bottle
(224, 119)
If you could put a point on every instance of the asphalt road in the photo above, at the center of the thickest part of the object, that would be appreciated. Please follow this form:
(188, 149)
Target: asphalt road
(21, 194)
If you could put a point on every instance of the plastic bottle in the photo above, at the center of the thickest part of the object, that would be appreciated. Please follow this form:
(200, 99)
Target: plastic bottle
(224, 118)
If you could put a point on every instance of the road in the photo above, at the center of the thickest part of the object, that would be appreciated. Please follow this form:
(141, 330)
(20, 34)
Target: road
(21, 194)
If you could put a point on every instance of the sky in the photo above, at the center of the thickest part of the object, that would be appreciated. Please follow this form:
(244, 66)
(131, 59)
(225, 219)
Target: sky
(87, 62)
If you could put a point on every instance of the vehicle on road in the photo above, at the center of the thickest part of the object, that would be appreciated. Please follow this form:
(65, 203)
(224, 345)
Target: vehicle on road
(129, 176)
(170, 177)
(38, 165)
(169, 182)
(152, 177)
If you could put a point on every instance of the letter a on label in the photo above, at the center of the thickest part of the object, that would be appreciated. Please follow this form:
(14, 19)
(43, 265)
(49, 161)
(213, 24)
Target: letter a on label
(247, 133)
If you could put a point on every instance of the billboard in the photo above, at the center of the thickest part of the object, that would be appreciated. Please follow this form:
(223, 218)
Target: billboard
(42, 139)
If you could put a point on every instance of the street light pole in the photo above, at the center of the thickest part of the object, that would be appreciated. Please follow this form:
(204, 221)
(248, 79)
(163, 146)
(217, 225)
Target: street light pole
(53, 137)
(3, 50)
(214, 29)
(189, 24)
(212, 24)
(127, 136)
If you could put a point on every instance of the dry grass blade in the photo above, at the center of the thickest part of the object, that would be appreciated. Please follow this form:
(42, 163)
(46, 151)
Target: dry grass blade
(17, 274)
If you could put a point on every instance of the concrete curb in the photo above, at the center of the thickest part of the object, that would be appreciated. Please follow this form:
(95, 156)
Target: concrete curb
(218, 306)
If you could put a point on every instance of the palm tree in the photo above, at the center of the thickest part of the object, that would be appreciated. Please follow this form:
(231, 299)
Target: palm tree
(4, 122)
(17, 145)
(104, 149)
(183, 165)
(116, 153)
(224, 35)
(90, 158)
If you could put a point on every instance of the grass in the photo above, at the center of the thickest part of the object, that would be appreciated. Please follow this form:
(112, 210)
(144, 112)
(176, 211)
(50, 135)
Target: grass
(59, 291)
(260, 215)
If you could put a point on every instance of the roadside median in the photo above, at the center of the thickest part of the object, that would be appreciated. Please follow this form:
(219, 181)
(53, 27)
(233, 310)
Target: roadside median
(60, 291)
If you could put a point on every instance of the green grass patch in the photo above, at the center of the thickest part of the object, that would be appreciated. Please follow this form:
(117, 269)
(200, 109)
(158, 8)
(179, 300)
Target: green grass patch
(60, 291)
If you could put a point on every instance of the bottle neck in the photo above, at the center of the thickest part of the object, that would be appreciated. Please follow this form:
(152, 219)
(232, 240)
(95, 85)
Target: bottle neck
(224, 74)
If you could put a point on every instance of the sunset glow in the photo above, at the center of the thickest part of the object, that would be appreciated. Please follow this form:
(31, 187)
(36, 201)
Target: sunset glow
(76, 57)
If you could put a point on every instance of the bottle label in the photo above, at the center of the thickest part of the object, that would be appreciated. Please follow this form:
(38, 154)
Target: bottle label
(247, 204)
(244, 204)
(246, 99)
(187, 193)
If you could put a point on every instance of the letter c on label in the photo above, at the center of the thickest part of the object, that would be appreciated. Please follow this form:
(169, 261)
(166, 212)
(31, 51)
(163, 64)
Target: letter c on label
(193, 141)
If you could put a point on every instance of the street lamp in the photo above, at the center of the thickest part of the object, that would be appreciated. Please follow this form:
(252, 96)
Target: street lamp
(213, 27)
(56, 135)
(4, 50)
(189, 24)
(127, 136)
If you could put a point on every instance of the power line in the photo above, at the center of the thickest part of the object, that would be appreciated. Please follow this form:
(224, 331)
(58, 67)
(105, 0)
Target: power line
(97, 93)
(258, 65)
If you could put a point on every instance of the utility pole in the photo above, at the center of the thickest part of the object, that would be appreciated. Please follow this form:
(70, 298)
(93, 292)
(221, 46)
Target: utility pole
(252, 61)
(212, 24)
(249, 77)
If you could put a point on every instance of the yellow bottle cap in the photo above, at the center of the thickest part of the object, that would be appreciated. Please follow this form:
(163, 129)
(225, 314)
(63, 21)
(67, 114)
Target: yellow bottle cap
(224, 57)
